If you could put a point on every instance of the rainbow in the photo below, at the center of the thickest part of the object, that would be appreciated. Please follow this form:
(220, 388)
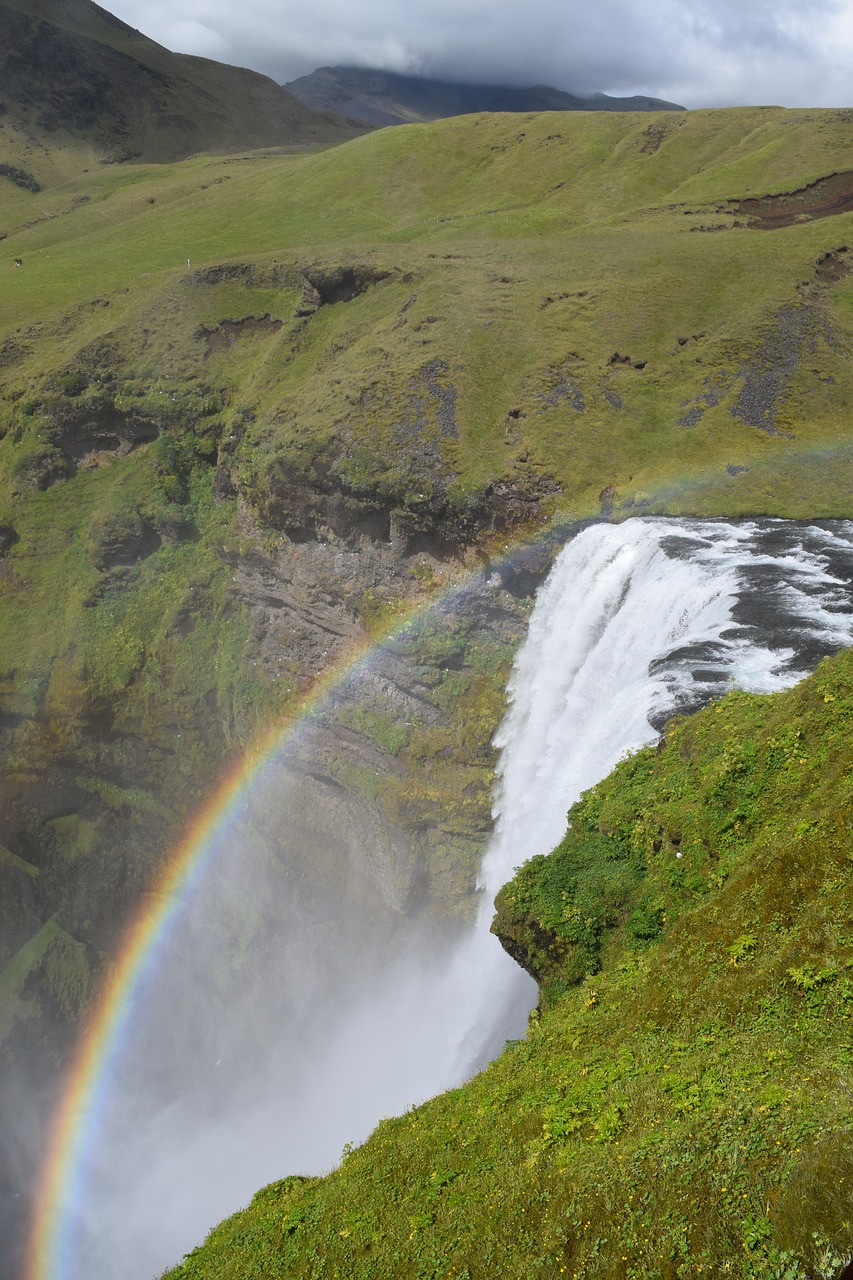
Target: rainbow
(75, 1126)
(101, 1043)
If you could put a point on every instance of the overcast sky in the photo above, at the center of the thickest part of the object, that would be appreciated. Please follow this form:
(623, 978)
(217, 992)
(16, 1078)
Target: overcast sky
(696, 52)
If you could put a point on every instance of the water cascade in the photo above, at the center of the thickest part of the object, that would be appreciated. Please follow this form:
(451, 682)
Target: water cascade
(635, 622)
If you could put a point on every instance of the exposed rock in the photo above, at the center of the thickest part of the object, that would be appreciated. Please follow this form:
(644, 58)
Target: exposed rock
(39, 468)
(607, 497)
(94, 425)
(250, 274)
(120, 538)
(716, 385)
(342, 284)
(20, 177)
(769, 371)
(305, 601)
(656, 135)
(328, 285)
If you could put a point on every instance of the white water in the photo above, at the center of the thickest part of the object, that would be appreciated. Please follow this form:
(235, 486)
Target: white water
(628, 618)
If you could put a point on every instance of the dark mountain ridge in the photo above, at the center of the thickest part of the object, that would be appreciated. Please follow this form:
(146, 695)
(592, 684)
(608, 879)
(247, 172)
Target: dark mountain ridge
(384, 97)
(75, 76)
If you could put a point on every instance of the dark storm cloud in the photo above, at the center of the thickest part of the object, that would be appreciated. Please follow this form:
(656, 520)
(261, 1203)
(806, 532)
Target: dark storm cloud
(699, 52)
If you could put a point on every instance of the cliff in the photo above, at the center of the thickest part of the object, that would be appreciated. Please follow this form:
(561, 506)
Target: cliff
(682, 1099)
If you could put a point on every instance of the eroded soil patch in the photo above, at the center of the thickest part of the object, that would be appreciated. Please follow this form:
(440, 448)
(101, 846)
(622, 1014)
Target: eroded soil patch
(833, 266)
(93, 431)
(226, 333)
(269, 275)
(821, 199)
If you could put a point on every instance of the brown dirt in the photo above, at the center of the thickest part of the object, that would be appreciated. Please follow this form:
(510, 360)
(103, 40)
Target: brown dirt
(821, 199)
(227, 332)
(833, 266)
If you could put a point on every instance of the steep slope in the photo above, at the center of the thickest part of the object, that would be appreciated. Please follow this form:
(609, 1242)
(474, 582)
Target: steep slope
(78, 83)
(681, 1104)
(384, 97)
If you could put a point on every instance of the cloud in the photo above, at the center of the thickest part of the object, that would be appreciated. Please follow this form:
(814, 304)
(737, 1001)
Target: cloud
(699, 52)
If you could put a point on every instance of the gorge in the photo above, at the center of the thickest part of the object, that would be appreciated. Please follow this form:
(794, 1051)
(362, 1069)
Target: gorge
(197, 1104)
(290, 437)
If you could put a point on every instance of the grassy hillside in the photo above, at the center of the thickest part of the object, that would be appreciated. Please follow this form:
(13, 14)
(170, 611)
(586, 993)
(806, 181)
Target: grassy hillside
(254, 407)
(81, 88)
(682, 1103)
(601, 310)
(416, 342)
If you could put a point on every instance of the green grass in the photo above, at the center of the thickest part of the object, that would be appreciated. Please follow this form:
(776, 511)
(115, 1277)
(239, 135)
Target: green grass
(529, 209)
(520, 254)
(681, 1104)
(570, 209)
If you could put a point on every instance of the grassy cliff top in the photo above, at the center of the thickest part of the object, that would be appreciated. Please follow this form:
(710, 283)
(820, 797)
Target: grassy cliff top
(563, 303)
(682, 1102)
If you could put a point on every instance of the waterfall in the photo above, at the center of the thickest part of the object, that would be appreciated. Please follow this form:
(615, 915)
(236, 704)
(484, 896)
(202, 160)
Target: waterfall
(635, 622)
(639, 621)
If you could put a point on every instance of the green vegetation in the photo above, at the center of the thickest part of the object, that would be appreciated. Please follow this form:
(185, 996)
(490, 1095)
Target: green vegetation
(257, 408)
(683, 1102)
(426, 338)
(558, 302)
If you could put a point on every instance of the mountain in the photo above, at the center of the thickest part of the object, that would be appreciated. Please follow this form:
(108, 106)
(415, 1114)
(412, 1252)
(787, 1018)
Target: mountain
(384, 97)
(75, 78)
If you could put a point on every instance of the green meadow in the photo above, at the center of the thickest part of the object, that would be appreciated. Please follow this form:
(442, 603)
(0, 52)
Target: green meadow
(527, 253)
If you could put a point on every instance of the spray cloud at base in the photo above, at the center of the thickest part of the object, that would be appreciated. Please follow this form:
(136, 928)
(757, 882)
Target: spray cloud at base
(345, 1013)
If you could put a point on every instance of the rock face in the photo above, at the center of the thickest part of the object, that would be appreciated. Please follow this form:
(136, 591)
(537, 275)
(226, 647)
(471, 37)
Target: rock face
(417, 829)
(374, 812)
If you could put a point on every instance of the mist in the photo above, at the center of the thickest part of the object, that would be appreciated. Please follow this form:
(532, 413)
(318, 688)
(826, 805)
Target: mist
(292, 1007)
